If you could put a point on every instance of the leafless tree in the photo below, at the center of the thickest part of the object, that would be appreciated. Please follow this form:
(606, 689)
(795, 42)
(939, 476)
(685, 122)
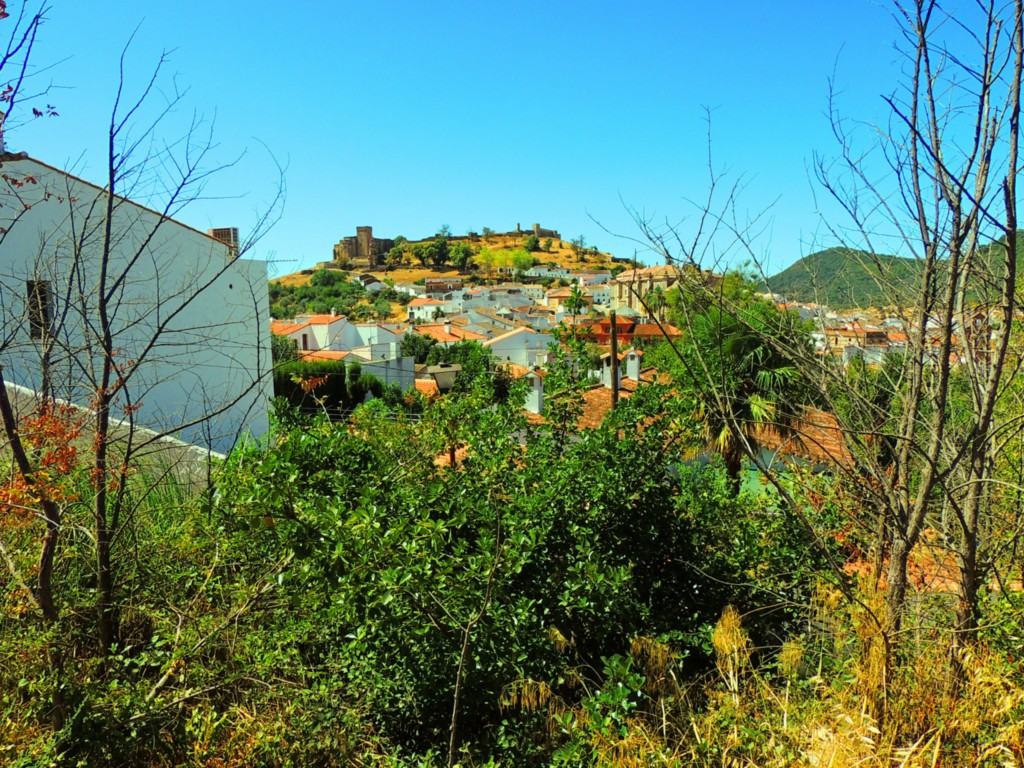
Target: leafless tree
(947, 196)
(922, 448)
(103, 307)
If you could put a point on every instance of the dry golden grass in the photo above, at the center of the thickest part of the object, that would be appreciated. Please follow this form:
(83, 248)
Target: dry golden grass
(828, 699)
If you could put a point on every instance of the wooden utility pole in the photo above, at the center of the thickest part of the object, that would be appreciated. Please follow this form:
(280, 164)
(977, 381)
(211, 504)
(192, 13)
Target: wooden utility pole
(615, 360)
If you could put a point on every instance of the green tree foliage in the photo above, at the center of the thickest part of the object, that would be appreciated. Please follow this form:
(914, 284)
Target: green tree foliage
(579, 246)
(328, 278)
(324, 384)
(478, 368)
(282, 349)
(417, 346)
(461, 254)
(440, 251)
(847, 278)
(487, 259)
(326, 290)
(436, 252)
(733, 380)
(422, 253)
(396, 256)
(520, 563)
(576, 303)
(655, 302)
(532, 243)
(520, 260)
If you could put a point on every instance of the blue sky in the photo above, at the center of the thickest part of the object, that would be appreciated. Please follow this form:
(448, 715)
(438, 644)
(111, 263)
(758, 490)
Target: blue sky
(409, 115)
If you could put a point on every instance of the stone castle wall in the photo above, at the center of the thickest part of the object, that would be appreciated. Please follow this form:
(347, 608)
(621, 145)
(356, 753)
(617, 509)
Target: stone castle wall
(363, 247)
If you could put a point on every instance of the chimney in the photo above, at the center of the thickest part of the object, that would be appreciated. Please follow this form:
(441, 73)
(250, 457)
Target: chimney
(633, 365)
(607, 371)
(228, 236)
(535, 397)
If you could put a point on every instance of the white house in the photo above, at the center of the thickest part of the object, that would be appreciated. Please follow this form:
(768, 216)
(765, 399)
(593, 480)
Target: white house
(187, 319)
(425, 310)
(600, 295)
(311, 333)
(523, 346)
(554, 272)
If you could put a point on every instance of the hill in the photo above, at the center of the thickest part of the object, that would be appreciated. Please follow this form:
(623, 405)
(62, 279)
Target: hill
(561, 253)
(844, 278)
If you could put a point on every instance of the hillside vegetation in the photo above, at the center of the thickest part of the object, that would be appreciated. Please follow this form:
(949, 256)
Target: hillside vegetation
(573, 254)
(441, 582)
(844, 278)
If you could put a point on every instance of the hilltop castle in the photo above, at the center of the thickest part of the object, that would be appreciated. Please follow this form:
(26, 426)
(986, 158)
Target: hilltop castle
(369, 251)
(363, 247)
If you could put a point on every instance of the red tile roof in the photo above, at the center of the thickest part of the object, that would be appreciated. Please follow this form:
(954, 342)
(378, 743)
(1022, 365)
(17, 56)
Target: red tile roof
(283, 327)
(597, 404)
(439, 333)
(322, 354)
(518, 371)
(427, 387)
(320, 319)
(817, 437)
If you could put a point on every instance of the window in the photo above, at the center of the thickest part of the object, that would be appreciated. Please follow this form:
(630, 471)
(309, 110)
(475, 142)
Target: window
(38, 300)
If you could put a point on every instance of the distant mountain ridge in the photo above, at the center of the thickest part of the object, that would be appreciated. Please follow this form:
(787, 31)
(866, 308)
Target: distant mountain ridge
(844, 278)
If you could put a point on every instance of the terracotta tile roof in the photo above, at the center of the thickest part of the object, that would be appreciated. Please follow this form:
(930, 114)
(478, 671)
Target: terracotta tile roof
(444, 459)
(534, 419)
(931, 567)
(652, 329)
(426, 303)
(663, 270)
(817, 438)
(437, 332)
(597, 404)
(427, 387)
(619, 320)
(284, 327)
(319, 319)
(518, 371)
(322, 354)
(510, 334)
(607, 352)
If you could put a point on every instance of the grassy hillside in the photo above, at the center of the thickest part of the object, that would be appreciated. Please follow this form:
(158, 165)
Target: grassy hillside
(844, 278)
(561, 254)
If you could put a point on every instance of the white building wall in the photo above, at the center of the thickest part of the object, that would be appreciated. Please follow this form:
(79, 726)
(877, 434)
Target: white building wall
(526, 348)
(426, 313)
(196, 322)
(400, 371)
